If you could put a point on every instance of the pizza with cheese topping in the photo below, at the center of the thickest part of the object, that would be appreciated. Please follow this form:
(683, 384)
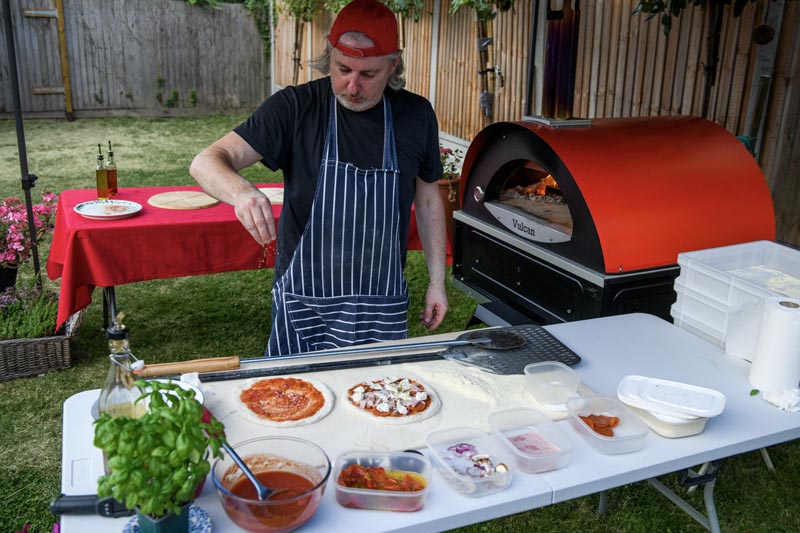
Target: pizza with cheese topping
(283, 402)
(393, 400)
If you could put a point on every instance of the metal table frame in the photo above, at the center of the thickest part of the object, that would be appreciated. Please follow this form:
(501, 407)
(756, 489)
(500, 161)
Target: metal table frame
(611, 348)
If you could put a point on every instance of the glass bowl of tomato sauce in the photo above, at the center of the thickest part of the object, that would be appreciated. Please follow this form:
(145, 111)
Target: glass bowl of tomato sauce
(389, 481)
(297, 468)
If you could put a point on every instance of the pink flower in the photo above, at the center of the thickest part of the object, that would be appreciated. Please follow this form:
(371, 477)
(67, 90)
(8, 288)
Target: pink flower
(451, 160)
(15, 243)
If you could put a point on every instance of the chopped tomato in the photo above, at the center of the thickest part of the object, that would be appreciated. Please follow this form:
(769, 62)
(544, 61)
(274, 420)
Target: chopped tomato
(358, 477)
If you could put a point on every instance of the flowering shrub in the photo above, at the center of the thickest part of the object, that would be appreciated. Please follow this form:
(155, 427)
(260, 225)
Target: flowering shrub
(15, 242)
(451, 160)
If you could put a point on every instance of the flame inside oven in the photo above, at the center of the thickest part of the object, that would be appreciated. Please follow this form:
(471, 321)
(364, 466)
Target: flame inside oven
(529, 202)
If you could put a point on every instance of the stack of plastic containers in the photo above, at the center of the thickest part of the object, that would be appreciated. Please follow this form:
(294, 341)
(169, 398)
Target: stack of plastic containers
(721, 291)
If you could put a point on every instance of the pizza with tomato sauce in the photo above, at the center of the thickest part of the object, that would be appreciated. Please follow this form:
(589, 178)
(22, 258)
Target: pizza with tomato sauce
(283, 401)
(393, 400)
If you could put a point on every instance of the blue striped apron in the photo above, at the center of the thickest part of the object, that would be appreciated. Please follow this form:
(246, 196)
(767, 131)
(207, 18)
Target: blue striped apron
(345, 283)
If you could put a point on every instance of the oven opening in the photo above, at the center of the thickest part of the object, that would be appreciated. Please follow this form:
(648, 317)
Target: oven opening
(526, 199)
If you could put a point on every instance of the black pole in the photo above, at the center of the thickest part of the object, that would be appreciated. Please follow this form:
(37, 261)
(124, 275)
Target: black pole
(530, 78)
(26, 179)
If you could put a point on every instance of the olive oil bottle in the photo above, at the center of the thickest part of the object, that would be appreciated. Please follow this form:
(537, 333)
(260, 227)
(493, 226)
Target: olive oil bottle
(120, 392)
(101, 174)
(111, 172)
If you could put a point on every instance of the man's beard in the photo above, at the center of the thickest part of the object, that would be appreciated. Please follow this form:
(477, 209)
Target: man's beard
(363, 105)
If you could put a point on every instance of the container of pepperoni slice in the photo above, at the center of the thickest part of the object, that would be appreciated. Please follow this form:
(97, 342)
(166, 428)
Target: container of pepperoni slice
(606, 424)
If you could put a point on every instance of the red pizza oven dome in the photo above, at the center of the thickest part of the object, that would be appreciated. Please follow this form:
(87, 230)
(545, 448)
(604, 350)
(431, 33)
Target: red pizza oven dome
(639, 190)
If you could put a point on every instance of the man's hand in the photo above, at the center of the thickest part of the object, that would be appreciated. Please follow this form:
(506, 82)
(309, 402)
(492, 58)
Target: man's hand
(254, 211)
(216, 169)
(435, 307)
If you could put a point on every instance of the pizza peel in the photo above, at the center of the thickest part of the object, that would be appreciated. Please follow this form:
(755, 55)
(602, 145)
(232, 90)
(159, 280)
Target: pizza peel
(490, 339)
(498, 351)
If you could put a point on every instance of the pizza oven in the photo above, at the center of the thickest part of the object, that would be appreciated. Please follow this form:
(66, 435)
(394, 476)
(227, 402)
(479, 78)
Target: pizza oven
(567, 220)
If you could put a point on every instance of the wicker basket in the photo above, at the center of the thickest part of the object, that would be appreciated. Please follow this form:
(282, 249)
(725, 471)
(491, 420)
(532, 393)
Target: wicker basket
(32, 357)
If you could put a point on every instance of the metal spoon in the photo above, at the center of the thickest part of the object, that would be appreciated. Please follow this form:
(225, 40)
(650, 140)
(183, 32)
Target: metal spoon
(264, 493)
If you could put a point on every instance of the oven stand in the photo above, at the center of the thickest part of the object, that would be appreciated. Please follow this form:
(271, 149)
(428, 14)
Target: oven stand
(497, 314)
(706, 476)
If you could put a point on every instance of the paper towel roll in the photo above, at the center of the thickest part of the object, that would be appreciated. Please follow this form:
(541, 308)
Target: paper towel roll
(776, 358)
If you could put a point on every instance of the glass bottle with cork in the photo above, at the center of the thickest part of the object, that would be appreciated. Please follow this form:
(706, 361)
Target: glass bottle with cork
(111, 172)
(101, 174)
(120, 392)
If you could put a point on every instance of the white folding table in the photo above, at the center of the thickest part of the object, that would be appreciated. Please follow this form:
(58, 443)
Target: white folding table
(610, 348)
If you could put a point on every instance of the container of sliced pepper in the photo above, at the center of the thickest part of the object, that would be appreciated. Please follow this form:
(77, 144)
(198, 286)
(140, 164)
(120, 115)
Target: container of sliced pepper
(389, 481)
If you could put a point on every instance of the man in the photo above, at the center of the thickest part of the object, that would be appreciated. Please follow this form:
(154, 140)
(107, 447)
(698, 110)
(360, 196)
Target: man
(355, 150)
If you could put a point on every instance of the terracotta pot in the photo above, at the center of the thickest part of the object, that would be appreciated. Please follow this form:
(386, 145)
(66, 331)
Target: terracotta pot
(452, 202)
(8, 277)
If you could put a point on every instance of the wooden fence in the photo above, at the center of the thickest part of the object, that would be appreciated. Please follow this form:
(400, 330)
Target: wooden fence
(135, 57)
(626, 67)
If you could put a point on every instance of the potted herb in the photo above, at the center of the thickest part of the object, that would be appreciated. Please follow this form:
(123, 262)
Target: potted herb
(27, 312)
(29, 342)
(158, 461)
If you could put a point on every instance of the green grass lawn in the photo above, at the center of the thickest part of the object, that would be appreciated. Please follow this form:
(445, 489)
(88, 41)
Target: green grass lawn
(227, 314)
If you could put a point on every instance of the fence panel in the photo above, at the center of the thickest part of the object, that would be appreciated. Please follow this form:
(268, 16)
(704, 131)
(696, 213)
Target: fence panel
(142, 56)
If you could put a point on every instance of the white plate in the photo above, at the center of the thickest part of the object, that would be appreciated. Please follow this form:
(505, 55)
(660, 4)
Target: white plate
(107, 209)
(670, 398)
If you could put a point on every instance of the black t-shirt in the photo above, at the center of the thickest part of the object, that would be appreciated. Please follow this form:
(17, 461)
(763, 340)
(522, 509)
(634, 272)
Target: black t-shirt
(288, 130)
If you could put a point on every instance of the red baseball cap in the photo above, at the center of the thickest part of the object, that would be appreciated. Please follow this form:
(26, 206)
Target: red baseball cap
(371, 18)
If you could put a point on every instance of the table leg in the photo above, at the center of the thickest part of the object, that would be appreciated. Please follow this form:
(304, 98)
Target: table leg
(689, 479)
(109, 306)
(602, 506)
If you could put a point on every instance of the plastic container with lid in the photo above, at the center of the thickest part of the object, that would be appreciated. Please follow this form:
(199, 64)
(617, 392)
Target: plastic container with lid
(470, 460)
(551, 384)
(628, 436)
(537, 444)
(670, 398)
(398, 465)
(669, 426)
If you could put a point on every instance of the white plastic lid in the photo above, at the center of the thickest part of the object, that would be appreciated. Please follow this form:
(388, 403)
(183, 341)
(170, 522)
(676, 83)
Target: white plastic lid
(670, 398)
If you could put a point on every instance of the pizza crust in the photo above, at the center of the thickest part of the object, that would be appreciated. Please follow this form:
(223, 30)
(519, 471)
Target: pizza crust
(431, 410)
(246, 413)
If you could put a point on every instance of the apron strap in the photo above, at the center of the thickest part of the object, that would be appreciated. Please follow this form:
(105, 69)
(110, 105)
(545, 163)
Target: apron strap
(331, 151)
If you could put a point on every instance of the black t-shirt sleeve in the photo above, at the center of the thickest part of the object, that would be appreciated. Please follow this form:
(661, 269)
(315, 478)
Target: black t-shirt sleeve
(270, 129)
(430, 168)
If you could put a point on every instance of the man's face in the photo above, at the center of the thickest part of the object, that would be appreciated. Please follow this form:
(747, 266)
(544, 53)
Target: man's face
(358, 82)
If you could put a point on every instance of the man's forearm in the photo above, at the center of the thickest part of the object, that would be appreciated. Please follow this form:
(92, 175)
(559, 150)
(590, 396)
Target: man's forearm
(217, 167)
(215, 173)
(431, 226)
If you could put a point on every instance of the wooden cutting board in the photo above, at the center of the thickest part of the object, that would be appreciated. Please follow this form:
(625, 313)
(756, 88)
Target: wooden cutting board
(183, 200)
(275, 194)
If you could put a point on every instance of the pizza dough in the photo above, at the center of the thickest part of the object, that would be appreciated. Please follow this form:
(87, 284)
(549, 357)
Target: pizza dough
(283, 402)
(182, 200)
(392, 400)
(275, 194)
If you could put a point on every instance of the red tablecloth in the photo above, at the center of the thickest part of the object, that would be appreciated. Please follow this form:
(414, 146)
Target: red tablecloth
(154, 244)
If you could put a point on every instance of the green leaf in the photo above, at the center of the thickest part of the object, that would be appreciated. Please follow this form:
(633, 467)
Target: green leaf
(754, 392)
